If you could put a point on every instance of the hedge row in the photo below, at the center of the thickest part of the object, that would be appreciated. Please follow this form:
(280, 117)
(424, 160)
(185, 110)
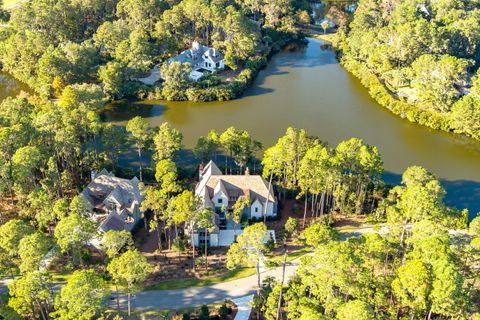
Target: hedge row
(386, 99)
(221, 92)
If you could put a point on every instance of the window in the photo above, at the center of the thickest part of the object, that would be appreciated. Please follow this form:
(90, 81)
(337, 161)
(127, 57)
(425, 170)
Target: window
(256, 209)
(220, 200)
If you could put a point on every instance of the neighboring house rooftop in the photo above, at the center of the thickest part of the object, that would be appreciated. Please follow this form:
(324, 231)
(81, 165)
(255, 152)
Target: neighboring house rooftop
(115, 201)
(197, 54)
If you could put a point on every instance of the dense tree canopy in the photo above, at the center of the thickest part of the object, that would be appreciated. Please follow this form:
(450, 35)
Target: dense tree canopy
(419, 59)
(50, 45)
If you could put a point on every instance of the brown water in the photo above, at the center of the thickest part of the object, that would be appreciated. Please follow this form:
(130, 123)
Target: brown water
(10, 87)
(305, 87)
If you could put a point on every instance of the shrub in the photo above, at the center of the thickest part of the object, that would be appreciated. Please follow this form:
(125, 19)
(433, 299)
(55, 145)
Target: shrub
(223, 311)
(204, 313)
(178, 244)
(8, 314)
(270, 245)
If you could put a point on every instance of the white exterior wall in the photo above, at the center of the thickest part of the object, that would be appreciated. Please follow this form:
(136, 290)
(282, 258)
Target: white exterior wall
(213, 239)
(220, 195)
(256, 210)
(212, 66)
(270, 211)
(226, 237)
(260, 207)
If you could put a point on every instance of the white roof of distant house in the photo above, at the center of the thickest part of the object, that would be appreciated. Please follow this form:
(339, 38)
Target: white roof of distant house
(197, 54)
(213, 180)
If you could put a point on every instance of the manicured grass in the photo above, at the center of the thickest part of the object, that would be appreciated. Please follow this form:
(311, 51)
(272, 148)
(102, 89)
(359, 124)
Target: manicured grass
(292, 255)
(7, 4)
(60, 276)
(201, 282)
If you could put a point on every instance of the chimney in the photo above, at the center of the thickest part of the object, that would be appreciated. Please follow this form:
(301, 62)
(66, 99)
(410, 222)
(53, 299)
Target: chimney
(247, 171)
(200, 171)
(195, 45)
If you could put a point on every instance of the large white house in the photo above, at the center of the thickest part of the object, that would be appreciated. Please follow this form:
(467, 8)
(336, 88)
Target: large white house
(114, 202)
(202, 59)
(220, 192)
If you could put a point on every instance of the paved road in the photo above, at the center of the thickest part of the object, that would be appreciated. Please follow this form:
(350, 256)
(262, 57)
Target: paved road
(184, 298)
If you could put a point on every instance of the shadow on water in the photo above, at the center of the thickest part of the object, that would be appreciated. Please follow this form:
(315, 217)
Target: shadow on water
(312, 91)
(115, 112)
(460, 193)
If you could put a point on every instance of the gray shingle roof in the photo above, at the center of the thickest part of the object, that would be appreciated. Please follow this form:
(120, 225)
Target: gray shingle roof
(106, 190)
(233, 185)
(195, 55)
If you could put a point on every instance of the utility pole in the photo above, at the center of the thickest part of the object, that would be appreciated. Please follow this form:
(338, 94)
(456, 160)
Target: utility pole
(279, 307)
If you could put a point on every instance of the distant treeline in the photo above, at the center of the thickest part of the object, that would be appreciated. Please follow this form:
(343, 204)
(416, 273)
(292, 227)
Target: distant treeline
(52, 44)
(418, 59)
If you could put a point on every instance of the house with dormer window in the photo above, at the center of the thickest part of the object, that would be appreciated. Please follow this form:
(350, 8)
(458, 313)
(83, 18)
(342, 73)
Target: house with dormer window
(202, 58)
(220, 192)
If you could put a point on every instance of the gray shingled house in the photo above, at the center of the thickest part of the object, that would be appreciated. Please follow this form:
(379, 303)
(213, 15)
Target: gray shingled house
(202, 58)
(114, 202)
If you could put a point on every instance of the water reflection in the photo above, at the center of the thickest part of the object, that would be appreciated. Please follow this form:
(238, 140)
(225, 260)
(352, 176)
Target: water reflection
(305, 87)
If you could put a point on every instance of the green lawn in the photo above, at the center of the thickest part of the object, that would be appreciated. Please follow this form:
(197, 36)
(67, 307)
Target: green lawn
(292, 255)
(60, 276)
(201, 282)
(6, 4)
(228, 276)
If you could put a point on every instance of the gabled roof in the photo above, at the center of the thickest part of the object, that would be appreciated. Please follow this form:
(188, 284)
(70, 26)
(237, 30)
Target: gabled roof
(106, 186)
(211, 169)
(220, 187)
(213, 181)
(197, 54)
(106, 189)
